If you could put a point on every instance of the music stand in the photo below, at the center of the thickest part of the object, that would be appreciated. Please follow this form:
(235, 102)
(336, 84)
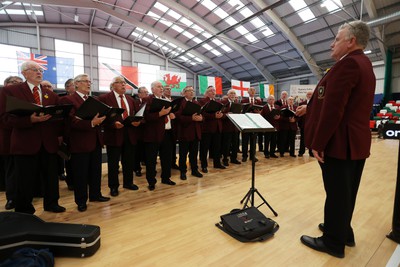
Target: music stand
(252, 123)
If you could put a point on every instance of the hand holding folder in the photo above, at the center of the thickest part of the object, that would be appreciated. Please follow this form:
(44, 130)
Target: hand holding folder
(89, 109)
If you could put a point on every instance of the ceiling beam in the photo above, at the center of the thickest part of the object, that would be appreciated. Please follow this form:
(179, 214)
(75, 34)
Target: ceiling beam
(373, 14)
(308, 59)
(130, 20)
(209, 27)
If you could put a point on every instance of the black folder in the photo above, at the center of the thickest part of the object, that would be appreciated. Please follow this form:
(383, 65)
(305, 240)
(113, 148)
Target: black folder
(20, 107)
(191, 108)
(137, 117)
(285, 112)
(176, 103)
(275, 112)
(247, 107)
(212, 107)
(236, 108)
(158, 104)
(92, 106)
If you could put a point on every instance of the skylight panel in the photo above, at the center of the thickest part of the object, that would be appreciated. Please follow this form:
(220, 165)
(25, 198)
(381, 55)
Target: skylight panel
(251, 38)
(215, 52)
(220, 13)
(161, 7)
(139, 29)
(297, 4)
(186, 21)
(208, 4)
(207, 46)
(267, 32)
(257, 22)
(16, 12)
(332, 5)
(242, 30)
(246, 12)
(197, 40)
(206, 34)
(165, 48)
(135, 34)
(147, 39)
(38, 12)
(184, 58)
(174, 14)
(236, 3)
(217, 42)
(197, 28)
(231, 21)
(153, 15)
(198, 59)
(226, 48)
(172, 45)
(306, 15)
(166, 22)
(28, 4)
(190, 55)
(188, 34)
(177, 28)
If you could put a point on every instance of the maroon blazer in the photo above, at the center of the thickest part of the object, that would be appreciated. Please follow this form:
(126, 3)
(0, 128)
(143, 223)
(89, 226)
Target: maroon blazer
(210, 123)
(279, 102)
(227, 124)
(80, 136)
(187, 130)
(140, 128)
(154, 128)
(285, 124)
(301, 120)
(112, 135)
(26, 137)
(256, 101)
(267, 114)
(338, 113)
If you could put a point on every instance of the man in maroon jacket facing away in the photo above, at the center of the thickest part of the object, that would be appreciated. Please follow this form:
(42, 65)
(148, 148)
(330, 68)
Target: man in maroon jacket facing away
(34, 141)
(337, 131)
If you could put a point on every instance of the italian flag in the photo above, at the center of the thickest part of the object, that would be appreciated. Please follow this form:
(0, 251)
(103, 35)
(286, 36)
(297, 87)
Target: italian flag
(206, 81)
(266, 90)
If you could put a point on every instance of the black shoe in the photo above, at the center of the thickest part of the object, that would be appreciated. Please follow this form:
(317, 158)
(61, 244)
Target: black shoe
(282, 155)
(175, 166)
(55, 209)
(82, 207)
(301, 154)
(10, 205)
(316, 243)
(273, 156)
(204, 170)
(138, 173)
(168, 182)
(267, 156)
(152, 187)
(219, 166)
(348, 243)
(261, 150)
(114, 192)
(235, 161)
(311, 154)
(225, 162)
(293, 155)
(183, 176)
(244, 159)
(99, 199)
(255, 159)
(62, 177)
(196, 173)
(131, 187)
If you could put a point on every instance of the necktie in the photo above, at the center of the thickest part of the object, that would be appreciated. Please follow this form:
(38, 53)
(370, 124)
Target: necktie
(166, 118)
(252, 101)
(270, 108)
(125, 114)
(36, 95)
(85, 97)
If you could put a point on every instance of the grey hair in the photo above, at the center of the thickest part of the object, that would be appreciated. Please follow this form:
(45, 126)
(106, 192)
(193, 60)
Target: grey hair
(80, 76)
(116, 77)
(9, 78)
(358, 29)
(25, 65)
(153, 84)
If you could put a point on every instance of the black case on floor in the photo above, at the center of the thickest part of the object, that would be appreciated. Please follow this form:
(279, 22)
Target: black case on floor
(19, 230)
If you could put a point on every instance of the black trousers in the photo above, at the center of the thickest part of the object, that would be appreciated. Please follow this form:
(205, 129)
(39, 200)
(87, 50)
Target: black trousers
(191, 148)
(287, 137)
(208, 139)
(302, 148)
(10, 177)
(139, 156)
(166, 155)
(341, 181)
(125, 153)
(246, 139)
(86, 169)
(270, 143)
(230, 145)
(26, 169)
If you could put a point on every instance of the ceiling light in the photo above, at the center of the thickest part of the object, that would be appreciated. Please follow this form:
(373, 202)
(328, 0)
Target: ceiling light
(109, 25)
(76, 18)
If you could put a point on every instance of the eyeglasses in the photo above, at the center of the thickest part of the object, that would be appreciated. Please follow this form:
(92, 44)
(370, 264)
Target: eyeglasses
(85, 81)
(14, 81)
(121, 82)
(36, 70)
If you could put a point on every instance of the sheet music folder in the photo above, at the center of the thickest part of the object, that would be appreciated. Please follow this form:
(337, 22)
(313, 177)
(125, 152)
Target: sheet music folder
(250, 123)
(137, 117)
(20, 107)
(191, 108)
(92, 106)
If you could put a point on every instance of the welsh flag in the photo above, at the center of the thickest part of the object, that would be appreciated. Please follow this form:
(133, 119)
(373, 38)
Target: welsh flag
(242, 88)
(206, 81)
(266, 90)
(176, 80)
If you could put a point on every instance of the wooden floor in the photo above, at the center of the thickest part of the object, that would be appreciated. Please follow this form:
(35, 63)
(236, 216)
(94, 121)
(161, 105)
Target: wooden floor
(175, 225)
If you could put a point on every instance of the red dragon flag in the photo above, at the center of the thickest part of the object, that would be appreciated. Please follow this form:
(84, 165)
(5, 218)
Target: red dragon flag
(242, 88)
(176, 80)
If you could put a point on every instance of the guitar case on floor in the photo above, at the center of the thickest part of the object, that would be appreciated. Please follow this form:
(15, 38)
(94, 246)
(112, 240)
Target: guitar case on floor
(19, 230)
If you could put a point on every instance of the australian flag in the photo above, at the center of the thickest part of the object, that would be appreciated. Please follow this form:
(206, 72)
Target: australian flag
(56, 69)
